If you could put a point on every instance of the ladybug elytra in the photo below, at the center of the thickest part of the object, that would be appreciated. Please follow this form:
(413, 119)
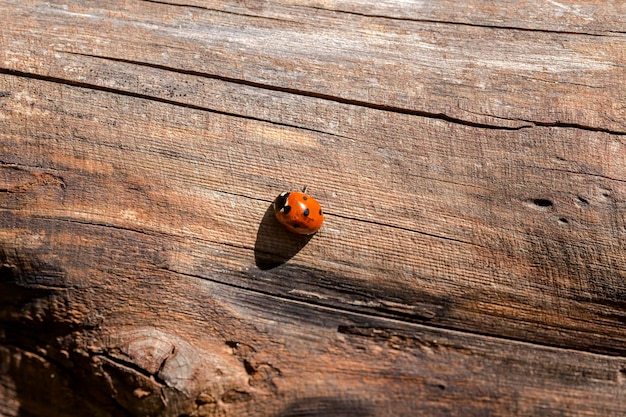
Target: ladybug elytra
(299, 212)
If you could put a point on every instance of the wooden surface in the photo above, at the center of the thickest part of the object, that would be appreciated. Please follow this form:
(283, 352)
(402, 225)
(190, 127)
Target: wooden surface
(470, 158)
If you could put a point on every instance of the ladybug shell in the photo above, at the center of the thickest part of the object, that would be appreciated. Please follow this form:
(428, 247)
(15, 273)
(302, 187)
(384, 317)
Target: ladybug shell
(299, 212)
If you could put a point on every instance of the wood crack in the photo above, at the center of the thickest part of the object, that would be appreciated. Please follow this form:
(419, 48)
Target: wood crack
(447, 22)
(578, 126)
(136, 368)
(211, 9)
(260, 85)
(35, 176)
(570, 171)
(96, 87)
(288, 90)
(397, 318)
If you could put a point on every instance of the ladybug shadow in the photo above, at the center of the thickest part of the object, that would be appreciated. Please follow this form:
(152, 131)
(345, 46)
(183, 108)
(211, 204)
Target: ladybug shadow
(274, 244)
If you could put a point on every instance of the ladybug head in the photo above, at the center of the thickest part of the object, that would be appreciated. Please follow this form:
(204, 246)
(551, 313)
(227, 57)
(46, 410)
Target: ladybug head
(280, 204)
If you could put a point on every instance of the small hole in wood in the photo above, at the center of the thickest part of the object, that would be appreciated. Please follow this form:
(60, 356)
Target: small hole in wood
(583, 201)
(248, 367)
(542, 202)
(563, 220)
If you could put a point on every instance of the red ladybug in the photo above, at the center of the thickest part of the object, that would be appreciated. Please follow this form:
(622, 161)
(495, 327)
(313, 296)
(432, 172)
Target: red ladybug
(299, 212)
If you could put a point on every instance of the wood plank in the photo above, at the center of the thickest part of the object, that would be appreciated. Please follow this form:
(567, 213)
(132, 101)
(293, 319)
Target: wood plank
(471, 166)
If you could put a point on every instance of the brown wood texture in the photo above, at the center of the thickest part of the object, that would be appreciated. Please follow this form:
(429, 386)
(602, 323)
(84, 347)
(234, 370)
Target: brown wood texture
(470, 157)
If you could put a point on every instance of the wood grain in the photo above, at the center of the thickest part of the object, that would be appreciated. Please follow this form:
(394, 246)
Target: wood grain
(469, 158)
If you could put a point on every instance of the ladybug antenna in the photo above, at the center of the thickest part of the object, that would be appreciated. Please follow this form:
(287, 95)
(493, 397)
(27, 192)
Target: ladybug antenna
(304, 189)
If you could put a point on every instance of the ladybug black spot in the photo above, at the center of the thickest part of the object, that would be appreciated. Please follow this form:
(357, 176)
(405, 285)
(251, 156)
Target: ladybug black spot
(305, 197)
(296, 225)
(286, 209)
(306, 212)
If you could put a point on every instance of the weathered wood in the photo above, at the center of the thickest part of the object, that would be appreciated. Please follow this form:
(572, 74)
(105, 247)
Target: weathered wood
(470, 160)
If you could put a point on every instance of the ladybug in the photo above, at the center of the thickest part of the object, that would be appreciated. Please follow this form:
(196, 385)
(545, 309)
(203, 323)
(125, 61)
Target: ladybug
(299, 212)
